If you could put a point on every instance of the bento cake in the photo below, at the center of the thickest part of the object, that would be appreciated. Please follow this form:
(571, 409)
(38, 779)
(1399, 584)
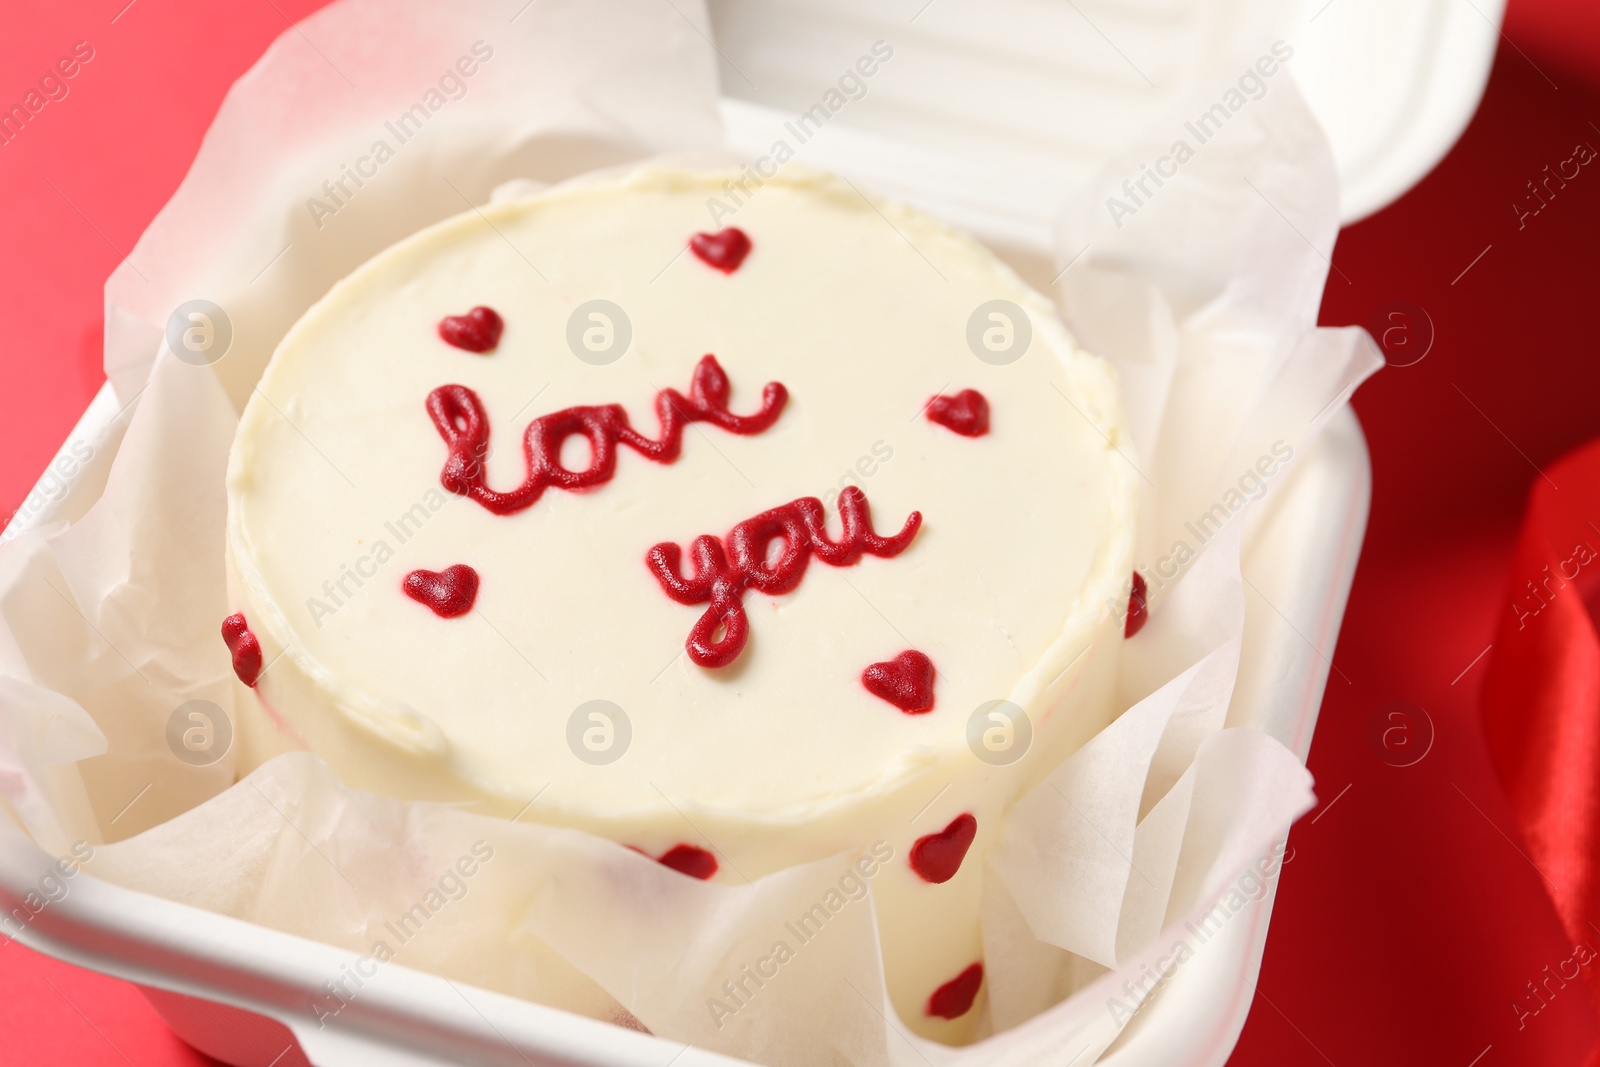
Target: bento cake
(741, 538)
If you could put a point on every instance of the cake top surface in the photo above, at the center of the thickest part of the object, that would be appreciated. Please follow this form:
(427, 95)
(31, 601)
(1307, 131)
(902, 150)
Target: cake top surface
(469, 631)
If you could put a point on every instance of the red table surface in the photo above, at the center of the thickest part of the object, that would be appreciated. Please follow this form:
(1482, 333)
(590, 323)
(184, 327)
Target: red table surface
(1409, 922)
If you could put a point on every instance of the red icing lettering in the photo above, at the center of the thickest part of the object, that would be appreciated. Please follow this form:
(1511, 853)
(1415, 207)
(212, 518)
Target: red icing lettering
(724, 569)
(448, 593)
(1138, 607)
(476, 331)
(724, 250)
(244, 648)
(905, 681)
(954, 999)
(967, 413)
(937, 857)
(459, 417)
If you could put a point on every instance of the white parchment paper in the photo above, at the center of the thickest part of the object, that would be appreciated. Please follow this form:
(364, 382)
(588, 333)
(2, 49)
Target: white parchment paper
(1205, 298)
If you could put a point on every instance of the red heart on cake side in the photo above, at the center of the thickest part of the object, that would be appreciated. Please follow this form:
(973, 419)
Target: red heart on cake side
(1138, 606)
(967, 413)
(954, 999)
(448, 593)
(691, 860)
(243, 647)
(905, 681)
(724, 250)
(476, 331)
(937, 857)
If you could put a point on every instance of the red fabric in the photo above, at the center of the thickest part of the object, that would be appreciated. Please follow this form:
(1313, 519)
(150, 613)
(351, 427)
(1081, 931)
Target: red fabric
(1542, 695)
(1562, 34)
(1412, 919)
(1408, 921)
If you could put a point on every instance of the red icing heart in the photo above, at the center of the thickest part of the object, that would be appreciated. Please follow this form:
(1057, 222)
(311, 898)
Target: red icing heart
(954, 999)
(905, 681)
(692, 860)
(724, 250)
(967, 413)
(937, 857)
(449, 592)
(1138, 607)
(476, 331)
(244, 648)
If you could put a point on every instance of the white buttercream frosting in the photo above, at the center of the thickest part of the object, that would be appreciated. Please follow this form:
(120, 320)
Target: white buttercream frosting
(1012, 586)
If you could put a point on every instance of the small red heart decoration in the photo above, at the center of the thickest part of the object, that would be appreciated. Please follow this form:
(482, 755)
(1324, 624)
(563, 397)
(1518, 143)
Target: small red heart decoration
(967, 413)
(905, 681)
(476, 331)
(691, 860)
(937, 857)
(243, 647)
(1138, 607)
(449, 592)
(724, 250)
(954, 999)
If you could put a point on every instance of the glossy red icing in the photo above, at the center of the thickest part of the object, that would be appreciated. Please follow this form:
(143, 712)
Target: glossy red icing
(459, 417)
(448, 593)
(724, 250)
(967, 413)
(954, 999)
(937, 857)
(243, 647)
(692, 860)
(905, 681)
(476, 331)
(724, 569)
(1138, 607)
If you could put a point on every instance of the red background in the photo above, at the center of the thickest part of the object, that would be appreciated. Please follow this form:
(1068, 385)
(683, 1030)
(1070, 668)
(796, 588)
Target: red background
(1409, 921)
